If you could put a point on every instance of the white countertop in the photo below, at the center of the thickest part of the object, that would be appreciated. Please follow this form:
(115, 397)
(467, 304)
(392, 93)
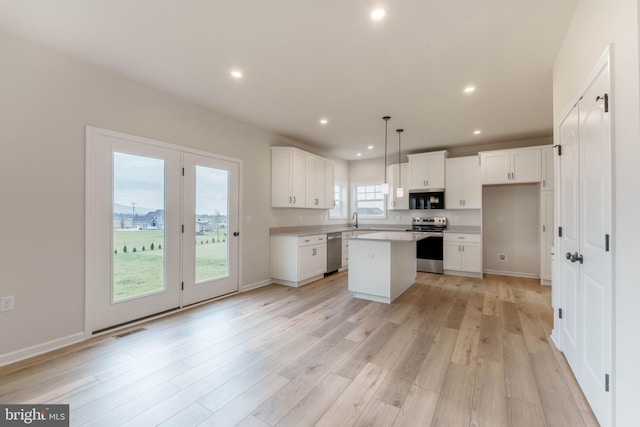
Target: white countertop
(390, 236)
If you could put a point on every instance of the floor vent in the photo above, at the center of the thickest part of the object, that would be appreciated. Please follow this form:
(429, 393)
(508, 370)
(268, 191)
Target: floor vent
(133, 331)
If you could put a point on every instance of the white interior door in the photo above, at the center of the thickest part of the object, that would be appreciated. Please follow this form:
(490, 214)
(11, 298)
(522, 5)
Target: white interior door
(132, 229)
(595, 229)
(570, 239)
(210, 248)
(585, 216)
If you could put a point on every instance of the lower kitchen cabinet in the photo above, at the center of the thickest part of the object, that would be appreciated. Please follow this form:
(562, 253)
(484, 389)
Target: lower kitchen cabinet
(346, 235)
(462, 254)
(296, 261)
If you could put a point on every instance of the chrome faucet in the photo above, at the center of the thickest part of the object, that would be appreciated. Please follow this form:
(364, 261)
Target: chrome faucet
(355, 215)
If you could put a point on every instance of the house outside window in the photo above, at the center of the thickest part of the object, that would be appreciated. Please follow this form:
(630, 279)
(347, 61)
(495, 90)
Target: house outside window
(369, 201)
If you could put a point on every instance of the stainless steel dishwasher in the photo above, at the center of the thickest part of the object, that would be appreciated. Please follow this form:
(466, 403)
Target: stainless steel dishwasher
(334, 252)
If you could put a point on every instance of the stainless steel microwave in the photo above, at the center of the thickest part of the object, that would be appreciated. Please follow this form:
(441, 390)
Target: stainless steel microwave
(432, 199)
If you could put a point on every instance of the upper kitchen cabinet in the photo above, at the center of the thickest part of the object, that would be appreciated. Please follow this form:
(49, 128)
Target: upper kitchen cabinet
(547, 168)
(398, 176)
(314, 182)
(463, 186)
(300, 179)
(519, 165)
(426, 170)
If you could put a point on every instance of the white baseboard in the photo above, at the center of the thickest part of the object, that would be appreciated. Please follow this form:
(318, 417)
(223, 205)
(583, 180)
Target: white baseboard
(255, 285)
(36, 350)
(512, 273)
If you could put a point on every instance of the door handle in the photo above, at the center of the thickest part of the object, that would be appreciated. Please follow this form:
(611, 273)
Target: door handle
(236, 233)
(575, 257)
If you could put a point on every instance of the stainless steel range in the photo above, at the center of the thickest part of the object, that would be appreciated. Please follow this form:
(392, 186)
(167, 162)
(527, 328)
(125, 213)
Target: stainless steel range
(430, 249)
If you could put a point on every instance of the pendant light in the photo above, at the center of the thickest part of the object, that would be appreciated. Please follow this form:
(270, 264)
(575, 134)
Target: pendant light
(399, 190)
(385, 185)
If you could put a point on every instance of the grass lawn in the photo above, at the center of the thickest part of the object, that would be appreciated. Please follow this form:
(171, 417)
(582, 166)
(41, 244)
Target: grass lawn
(142, 271)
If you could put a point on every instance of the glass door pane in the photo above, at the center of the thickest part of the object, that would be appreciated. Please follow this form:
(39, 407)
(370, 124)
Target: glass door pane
(211, 236)
(138, 226)
(212, 214)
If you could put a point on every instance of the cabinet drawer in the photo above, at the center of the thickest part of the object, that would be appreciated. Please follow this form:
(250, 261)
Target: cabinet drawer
(459, 237)
(312, 240)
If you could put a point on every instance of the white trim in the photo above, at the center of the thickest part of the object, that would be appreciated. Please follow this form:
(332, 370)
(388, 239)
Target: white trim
(512, 273)
(38, 349)
(255, 285)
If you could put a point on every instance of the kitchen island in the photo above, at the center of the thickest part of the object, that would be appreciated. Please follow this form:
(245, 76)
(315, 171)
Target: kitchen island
(382, 265)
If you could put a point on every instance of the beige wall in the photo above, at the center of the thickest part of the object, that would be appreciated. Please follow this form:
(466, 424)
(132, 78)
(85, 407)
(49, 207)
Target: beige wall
(595, 25)
(510, 218)
(46, 101)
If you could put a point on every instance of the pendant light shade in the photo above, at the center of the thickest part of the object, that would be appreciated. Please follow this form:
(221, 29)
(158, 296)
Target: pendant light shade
(385, 185)
(399, 189)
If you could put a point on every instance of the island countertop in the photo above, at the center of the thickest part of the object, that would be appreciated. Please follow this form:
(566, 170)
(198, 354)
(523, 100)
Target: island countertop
(390, 236)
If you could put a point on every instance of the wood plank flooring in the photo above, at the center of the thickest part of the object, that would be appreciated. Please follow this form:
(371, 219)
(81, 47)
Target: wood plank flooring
(451, 351)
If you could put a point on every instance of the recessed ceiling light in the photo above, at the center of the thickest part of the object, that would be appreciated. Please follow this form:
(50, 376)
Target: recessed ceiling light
(324, 121)
(469, 89)
(477, 132)
(358, 154)
(370, 147)
(236, 74)
(377, 14)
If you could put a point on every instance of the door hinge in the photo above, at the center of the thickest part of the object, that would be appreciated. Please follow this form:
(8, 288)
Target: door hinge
(605, 97)
(606, 242)
(183, 228)
(559, 313)
(606, 382)
(559, 231)
(182, 171)
(183, 286)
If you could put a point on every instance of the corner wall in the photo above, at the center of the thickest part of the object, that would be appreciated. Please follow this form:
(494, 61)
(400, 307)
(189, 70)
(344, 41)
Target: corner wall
(47, 99)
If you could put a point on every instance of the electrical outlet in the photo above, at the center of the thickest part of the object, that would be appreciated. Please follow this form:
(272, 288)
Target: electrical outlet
(6, 303)
(502, 257)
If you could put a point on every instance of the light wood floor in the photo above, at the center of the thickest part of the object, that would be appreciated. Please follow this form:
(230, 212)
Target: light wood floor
(451, 351)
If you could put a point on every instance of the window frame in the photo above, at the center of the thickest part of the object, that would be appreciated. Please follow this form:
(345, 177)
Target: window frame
(343, 201)
(354, 199)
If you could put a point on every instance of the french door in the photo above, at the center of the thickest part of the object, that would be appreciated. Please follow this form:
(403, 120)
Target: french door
(209, 247)
(158, 223)
(586, 257)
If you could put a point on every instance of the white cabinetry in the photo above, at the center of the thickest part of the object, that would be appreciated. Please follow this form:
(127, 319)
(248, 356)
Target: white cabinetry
(547, 168)
(547, 200)
(514, 166)
(300, 179)
(346, 235)
(546, 237)
(426, 170)
(296, 261)
(329, 202)
(463, 186)
(398, 175)
(287, 177)
(314, 182)
(462, 254)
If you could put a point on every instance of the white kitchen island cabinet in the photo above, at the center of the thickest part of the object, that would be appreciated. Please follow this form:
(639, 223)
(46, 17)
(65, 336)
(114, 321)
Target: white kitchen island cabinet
(382, 265)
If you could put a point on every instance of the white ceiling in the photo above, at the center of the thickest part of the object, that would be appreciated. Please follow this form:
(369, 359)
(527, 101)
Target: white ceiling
(307, 59)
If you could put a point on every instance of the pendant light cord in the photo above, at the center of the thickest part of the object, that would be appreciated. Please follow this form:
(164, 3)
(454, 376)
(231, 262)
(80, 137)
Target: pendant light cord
(399, 164)
(386, 123)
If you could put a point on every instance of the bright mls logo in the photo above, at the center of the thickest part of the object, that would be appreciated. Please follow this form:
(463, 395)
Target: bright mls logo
(34, 415)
